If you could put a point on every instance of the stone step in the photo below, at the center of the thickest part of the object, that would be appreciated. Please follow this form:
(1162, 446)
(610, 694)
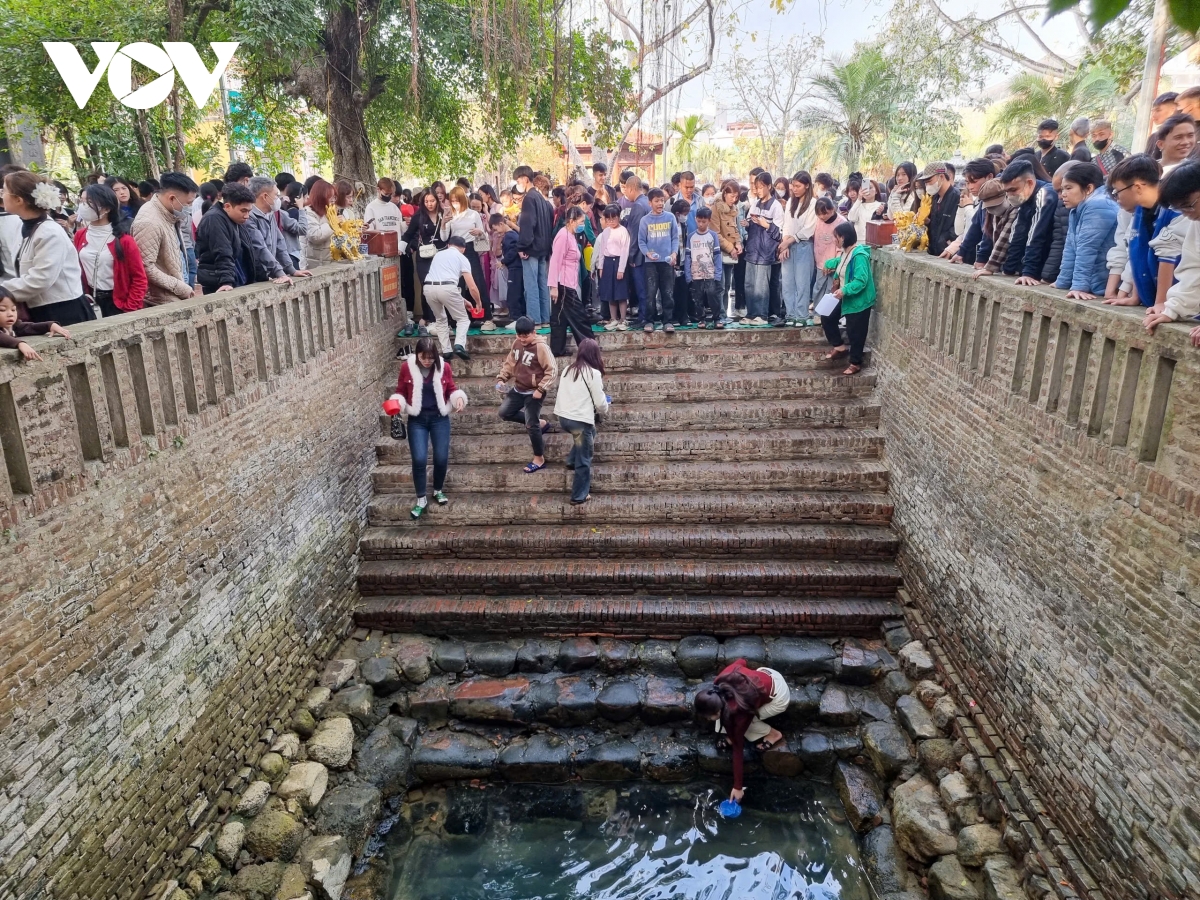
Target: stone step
(742, 446)
(723, 414)
(809, 542)
(667, 475)
(710, 507)
(729, 339)
(800, 580)
(699, 387)
(630, 615)
(678, 358)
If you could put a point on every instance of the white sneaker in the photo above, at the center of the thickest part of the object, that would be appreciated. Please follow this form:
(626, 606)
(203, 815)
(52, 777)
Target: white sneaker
(488, 326)
(744, 321)
(610, 326)
(511, 326)
(758, 320)
(622, 326)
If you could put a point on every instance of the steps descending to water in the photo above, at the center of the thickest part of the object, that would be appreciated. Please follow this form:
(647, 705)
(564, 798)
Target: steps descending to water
(738, 487)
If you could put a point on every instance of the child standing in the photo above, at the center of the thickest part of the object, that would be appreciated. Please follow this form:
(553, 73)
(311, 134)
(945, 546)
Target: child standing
(609, 259)
(703, 268)
(11, 331)
(824, 243)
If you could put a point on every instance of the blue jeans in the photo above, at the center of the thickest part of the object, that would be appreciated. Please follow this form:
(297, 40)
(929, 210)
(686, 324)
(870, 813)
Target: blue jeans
(798, 271)
(636, 276)
(758, 290)
(191, 264)
(580, 455)
(421, 429)
(537, 290)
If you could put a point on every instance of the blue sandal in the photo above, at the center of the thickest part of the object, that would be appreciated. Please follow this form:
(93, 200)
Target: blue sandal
(530, 468)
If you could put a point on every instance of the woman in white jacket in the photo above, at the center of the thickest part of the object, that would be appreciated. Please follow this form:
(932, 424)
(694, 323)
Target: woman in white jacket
(580, 401)
(46, 276)
(866, 207)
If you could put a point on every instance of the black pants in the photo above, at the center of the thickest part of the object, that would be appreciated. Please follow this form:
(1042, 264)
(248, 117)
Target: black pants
(660, 283)
(856, 331)
(104, 300)
(708, 299)
(567, 312)
(524, 408)
(776, 306)
(684, 313)
(67, 312)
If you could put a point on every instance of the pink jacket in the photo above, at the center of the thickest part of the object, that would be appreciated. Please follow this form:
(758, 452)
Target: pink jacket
(564, 261)
(824, 246)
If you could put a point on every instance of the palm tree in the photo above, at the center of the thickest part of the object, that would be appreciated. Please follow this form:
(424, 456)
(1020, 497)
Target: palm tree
(687, 135)
(852, 104)
(1085, 92)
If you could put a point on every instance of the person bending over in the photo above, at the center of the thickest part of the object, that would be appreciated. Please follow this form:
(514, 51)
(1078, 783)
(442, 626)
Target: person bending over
(739, 701)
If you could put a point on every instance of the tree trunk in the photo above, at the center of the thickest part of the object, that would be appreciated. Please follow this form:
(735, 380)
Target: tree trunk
(146, 145)
(68, 137)
(175, 31)
(345, 100)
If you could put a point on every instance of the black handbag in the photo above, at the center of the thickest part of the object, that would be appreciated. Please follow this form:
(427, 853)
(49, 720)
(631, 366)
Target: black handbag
(399, 432)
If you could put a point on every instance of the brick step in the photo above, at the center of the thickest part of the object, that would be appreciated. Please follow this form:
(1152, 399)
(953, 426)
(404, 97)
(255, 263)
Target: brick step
(667, 475)
(734, 358)
(724, 414)
(697, 387)
(804, 580)
(732, 339)
(629, 615)
(679, 507)
(797, 542)
(742, 446)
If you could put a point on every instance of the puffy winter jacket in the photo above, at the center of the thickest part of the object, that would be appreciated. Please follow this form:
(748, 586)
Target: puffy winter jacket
(1092, 233)
(222, 258)
(1058, 240)
(1032, 233)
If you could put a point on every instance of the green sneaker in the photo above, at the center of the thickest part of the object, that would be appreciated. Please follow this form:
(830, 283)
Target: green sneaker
(441, 498)
(416, 511)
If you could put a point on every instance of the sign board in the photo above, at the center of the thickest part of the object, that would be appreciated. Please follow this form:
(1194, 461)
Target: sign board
(389, 282)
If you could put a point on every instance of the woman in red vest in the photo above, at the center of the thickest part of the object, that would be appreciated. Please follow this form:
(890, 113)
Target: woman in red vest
(738, 701)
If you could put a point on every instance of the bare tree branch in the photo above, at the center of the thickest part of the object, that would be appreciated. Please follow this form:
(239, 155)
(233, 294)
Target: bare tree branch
(1032, 33)
(1009, 53)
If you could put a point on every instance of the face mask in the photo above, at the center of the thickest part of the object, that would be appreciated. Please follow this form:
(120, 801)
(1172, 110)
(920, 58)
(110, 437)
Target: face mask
(709, 201)
(1100, 145)
(780, 194)
(1045, 145)
(386, 198)
(1012, 202)
(277, 204)
(579, 229)
(87, 215)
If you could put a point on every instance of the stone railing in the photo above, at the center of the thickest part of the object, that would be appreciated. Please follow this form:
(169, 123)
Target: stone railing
(1045, 471)
(126, 388)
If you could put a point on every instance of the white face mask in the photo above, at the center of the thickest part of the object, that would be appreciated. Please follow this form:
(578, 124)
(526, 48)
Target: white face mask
(277, 204)
(87, 215)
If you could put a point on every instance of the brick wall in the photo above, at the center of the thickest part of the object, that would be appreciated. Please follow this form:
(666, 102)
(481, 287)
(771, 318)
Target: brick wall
(1045, 459)
(181, 492)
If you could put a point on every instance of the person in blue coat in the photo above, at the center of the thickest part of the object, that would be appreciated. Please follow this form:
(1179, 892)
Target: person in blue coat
(1155, 238)
(1091, 231)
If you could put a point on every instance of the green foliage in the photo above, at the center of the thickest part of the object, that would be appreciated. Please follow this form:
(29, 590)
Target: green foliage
(1088, 92)
(686, 136)
(1184, 13)
(1120, 46)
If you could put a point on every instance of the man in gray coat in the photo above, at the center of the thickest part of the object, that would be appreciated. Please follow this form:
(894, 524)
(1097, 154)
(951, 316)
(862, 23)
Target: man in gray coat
(272, 261)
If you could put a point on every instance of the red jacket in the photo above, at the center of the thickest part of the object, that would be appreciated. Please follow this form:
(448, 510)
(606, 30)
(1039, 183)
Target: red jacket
(444, 388)
(129, 275)
(738, 719)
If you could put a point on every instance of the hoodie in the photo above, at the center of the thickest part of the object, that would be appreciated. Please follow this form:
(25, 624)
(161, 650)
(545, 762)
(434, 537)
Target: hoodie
(658, 236)
(530, 366)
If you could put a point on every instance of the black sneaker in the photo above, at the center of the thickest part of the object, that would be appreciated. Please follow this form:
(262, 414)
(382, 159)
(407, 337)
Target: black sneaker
(461, 352)
(447, 356)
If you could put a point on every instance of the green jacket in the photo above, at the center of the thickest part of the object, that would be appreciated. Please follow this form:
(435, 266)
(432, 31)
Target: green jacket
(858, 288)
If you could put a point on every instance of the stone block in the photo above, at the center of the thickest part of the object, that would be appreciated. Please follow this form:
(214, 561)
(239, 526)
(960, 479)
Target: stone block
(357, 702)
(293, 885)
(619, 701)
(959, 799)
(537, 655)
(229, 842)
(916, 660)
(382, 674)
(976, 843)
(665, 700)
(253, 798)
(615, 760)
(657, 658)
(450, 656)
(816, 752)
(542, 758)
(305, 782)
(860, 795)
(326, 860)
(350, 810)
(665, 757)
(616, 656)
(495, 658)
(337, 672)
(887, 747)
(489, 699)
(803, 705)
(937, 757)
(929, 692)
(1001, 880)
(801, 656)
(403, 728)
(893, 686)
(750, 648)
(414, 657)
(922, 827)
(782, 761)
(384, 762)
(697, 655)
(274, 836)
(916, 719)
(883, 860)
(837, 706)
(261, 880)
(896, 638)
(948, 881)
(443, 756)
(430, 703)
(333, 743)
(860, 665)
(578, 654)
(576, 702)
(944, 712)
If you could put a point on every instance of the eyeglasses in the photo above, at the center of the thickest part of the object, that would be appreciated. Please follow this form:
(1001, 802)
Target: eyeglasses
(1118, 193)
(1187, 207)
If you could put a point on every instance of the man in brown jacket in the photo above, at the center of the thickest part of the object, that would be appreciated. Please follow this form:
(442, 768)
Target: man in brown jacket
(156, 230)
(532, 369)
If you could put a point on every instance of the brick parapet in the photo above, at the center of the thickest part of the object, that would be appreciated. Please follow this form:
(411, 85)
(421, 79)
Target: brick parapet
(180, 526)
(1044, 456)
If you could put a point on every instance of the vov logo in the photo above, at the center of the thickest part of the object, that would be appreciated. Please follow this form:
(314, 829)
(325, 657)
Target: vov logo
(171, 58)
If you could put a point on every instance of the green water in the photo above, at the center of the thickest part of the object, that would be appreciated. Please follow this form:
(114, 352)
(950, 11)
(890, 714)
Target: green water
(650, 846)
